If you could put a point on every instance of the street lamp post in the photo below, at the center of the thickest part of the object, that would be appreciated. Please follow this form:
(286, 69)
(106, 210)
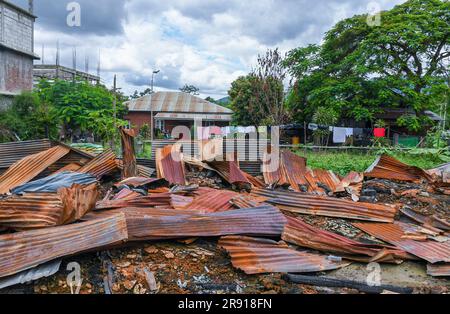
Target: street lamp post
(151, 107)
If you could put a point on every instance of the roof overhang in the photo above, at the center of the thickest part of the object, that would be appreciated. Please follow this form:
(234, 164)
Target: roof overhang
(193, 117)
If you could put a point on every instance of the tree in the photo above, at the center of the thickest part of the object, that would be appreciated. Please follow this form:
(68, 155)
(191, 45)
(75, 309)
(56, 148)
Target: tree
(190, 89)
(258, 98)
(360, 69)
(29, 118)
(80, 106)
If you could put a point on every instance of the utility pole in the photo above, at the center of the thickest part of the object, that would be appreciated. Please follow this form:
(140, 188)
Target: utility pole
(113, 144)
(151, 106)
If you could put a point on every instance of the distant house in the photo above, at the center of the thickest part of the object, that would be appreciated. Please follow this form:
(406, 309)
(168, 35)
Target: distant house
(16, 51)
(171, 109)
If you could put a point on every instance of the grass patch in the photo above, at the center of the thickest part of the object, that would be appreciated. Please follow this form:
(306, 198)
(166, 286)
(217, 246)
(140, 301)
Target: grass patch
(342, 163)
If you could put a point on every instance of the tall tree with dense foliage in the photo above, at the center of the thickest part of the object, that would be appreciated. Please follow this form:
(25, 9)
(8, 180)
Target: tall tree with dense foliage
(362, 68)
(258, 98)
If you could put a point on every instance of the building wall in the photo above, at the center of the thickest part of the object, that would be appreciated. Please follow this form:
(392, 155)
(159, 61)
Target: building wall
(16, 29)
(16, 50)
(138, 119)
(16, 71)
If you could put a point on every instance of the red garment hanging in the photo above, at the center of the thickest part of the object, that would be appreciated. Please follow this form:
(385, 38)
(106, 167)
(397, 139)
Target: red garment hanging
(379, 132)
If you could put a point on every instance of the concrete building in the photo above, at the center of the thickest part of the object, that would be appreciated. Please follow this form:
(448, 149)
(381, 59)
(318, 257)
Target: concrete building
(16, 51)
(51, 72)
(171, 109)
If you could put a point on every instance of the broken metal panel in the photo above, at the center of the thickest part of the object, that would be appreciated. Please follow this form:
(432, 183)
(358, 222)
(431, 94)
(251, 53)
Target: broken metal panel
(54, 182)
(12, 152)
(438, 270)
(170, 165)
(30, 167)
(258, 256)
(158, 224)
(42, 210)
(101, 165)
(25, 250)
(213, 201)
(386, 167)
(41, 271)
(128, 153)
(162, 199)
(431, 222)
(302, 234)
(394, 233)
(136, 181)
(327, 206)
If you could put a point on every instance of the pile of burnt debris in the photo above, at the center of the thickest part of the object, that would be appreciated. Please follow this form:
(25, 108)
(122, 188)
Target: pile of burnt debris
(291, 221)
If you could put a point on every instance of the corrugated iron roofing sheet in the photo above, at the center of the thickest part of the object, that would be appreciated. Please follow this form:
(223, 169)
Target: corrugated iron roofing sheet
(24, 250)
(170, 165)
(258, 256)
(302, 234)
(431, 251)
(30, 167)
(158, 224)
(41, 210)
(129, 156)
(327, 206)
(15, 151)
(213, 201)
(101, 165)
(174, 102)
(438, 270)
(386, 167)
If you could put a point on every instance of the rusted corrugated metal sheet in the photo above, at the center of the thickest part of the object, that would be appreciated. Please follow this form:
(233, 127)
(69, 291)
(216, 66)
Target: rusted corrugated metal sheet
(170, 165)
(101, 165)
(24, 250)
(42, 210)
(213, 201)
(230, 172)
(128, 153)
(163, 199)
(137, 181)
(159, 224)
(303, 203)
(293, 172)
(302, 234)
(12, 152)
(386, 167)
(432, 222)
(30, 167)
(245, 201)
(431, 251)
(258, 256)
(74, 167)
(438, 270)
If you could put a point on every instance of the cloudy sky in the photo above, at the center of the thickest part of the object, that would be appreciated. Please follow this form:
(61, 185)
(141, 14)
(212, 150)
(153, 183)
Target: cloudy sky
(207, 43)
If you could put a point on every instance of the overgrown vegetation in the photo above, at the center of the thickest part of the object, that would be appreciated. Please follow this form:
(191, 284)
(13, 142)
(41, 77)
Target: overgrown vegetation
(64, 110)
(344, 162)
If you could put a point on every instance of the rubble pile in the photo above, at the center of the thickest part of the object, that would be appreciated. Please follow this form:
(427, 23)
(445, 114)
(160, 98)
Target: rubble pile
(140, 233)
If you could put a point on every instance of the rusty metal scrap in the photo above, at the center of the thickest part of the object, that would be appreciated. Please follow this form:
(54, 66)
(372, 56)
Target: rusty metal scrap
(291, 171)
(439, 270)
(431, 251)
(42, 210)
(159, 224)
(302, 234)
(386, 167)
(163, 199)
(101, 165)
(170, 165)
(30, 167)
(213, 201)
(327, 206)
(24, 250)
(12, 152)
(230, 172)
(431, 222)
(128, 153)
(258, 256)
(137, 181)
